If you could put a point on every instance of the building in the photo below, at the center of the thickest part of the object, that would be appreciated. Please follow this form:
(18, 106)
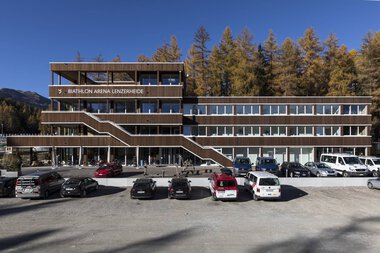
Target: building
(137, 113)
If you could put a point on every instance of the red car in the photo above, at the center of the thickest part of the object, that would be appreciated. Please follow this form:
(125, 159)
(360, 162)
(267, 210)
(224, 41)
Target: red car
(223, 186)
(109, 170)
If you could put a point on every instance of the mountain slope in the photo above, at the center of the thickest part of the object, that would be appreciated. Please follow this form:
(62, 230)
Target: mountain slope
(26, 97)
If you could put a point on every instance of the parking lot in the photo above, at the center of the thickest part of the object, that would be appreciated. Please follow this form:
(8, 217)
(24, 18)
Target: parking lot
(305, 220)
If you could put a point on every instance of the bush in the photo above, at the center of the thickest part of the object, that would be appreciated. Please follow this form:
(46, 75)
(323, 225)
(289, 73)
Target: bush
(11, 162)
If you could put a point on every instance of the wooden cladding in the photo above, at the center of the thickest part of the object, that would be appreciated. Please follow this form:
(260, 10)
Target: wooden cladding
(62, 141)
(142, 119)
(311, 141)
(278, 100)
(112, 91)
(278, 120)
(117, 66)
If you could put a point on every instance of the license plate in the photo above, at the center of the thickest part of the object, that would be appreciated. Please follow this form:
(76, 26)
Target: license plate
(179, 191)
(140, 191)
(69, 189)
(270, 190)
(28, 190)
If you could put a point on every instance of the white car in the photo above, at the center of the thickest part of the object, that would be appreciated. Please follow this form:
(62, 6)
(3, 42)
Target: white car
(373, 164)
(262, 185)
(373, 183)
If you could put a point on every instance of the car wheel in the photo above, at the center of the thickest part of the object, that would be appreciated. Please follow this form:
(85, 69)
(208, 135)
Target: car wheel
(345, 174)
(214, 196)
(370, 185)
(254, 196)
(375, 173)
(318, 174)
(46, 195)
(60, 194)
(83, 193)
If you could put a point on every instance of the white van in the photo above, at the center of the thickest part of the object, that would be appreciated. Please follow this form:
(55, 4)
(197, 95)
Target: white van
(373, 164)
(262, 185)
(345, 164)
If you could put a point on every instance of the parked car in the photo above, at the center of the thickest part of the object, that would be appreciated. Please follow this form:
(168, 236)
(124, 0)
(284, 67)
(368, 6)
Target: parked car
(226, 171)
(78, 187)
(345, 164)
(267, 164)
(373, 164)
(38, 184)
(241, 165)
(109, 170)
(293, 169)
(262, 185)
(320, 169)
(143, 188)
(223, 186)
(7, 186)
(179, 188)
(373, 183)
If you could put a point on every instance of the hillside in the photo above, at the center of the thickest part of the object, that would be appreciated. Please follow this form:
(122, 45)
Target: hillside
(27, 97)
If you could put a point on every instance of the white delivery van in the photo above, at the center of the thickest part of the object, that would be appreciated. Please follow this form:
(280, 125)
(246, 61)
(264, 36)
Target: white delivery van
(345, 164)
(373, 164)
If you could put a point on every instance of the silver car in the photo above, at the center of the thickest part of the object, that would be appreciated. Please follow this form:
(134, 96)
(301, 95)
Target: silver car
(373, 183)
(320, 169)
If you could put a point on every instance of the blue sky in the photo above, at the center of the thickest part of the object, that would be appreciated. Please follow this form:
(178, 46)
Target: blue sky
(34, 33)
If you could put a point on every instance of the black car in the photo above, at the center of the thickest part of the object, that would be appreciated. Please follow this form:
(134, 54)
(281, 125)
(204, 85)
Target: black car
(7, 186)
(78, 186)
(293, 169)
(143, 188)
(179, 188)
(226, 171)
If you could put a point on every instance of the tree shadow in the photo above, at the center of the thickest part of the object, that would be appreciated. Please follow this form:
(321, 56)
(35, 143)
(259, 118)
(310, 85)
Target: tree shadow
(155, 244)
(335, 240)
(26, 208)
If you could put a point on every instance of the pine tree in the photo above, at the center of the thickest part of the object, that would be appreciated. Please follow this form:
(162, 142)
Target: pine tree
(216, 69)
(168, 52)
(259, 66)
(289, 70)
(143, 58)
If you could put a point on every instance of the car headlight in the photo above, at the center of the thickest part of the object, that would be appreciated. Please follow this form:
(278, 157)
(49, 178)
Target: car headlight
(323, 172)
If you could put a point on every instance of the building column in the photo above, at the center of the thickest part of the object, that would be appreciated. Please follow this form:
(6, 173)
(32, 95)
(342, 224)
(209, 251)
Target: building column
(80, 155)
(108, 154)
(138, 156)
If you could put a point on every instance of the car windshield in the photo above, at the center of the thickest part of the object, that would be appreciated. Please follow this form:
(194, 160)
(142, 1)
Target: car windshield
(269, 181)
(352, 160)
(141, 185)
(322, 166)
(296, 165)
(179, 184)
(376, 161)
(226, 183)
(105, 167)
(269, 161)
(243, 160)
(73, 181)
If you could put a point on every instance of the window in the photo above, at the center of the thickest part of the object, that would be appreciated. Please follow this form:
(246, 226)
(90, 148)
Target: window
(274, 109)
(355, 130)
(170, 79)
(328, 109)
(219, 109)
(301, 109)
(354, 109)
(274, 131)
(170, 107)
(328, 130)
(194, 109)
(148, 79)
(149, 107)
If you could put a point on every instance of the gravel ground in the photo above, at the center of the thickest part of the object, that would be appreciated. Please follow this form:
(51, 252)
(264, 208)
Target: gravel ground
(305, 220)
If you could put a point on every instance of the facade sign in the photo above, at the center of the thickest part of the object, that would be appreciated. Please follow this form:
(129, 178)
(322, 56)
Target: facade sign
(104, 91)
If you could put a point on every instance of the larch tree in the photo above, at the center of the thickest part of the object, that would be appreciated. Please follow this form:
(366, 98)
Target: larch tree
(227, 51)
(197, 64)
(287, 80)
(313, 82)
(243, 76)
(216, 73)
(271, 56)
(168, 52)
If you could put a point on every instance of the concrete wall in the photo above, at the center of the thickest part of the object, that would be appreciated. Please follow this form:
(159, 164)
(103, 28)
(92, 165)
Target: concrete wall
(296, 182)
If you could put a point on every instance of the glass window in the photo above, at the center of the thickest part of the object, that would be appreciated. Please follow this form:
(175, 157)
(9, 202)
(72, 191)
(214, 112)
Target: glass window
(266, 130)
(256, 130)
(362, 109)
(212, 109)
(212, 131)
(149, 107)
(228, 109)
(293, 109)
(282, 109)
(266, 109)
(309, 130)
(256, 109)
(170, 107)
(221, 109)
(240, 109)
(248, 130)
(170, 79)
(239, 130)
(292, 131)
(148, 79)
(187, 130)
(320, 131)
